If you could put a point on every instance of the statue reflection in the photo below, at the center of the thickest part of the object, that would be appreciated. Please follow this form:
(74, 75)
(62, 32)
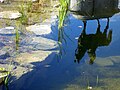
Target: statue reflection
(90, 42)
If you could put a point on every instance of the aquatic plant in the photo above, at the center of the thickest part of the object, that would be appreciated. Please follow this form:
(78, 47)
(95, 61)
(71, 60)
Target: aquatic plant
(6, 80)
(62, 12)
(88, 84)
(29, 6)
(17, 37)
(97, 80)
(5, 75)
(31, 11)
(23, 10)
(62, 15)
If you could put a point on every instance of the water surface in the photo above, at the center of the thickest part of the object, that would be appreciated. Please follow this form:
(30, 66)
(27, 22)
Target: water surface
(91, 58)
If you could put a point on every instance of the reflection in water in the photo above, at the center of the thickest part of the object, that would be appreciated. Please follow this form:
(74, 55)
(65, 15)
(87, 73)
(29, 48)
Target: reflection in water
(90, 10)
(90, 42)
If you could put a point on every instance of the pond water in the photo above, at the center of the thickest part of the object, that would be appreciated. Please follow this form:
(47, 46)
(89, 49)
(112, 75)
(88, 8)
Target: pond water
(65, 74)
(90, 58)
(96, 67)
(101, 73)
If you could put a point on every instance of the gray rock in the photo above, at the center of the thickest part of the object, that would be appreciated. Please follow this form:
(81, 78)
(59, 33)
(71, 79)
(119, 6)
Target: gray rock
(92, 9)
(104, 61)
(4, 54)
(40, 43)
(10, 14)
(40, 29)
(7, 30)
(115, 59)
(1, 44)
(108, 60)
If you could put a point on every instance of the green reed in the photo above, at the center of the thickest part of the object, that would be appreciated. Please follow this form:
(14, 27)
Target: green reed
(62, 12)
(6, 80)
(6, 75)
(24, 9)
(17, 37)
(63, 9)
(97, 80)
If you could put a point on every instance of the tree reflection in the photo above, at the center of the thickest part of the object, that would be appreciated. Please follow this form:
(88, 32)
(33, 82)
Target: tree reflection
(90, 42)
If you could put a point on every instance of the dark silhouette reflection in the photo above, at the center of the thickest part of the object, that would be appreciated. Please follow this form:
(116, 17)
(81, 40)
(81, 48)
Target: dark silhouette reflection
(90, 42)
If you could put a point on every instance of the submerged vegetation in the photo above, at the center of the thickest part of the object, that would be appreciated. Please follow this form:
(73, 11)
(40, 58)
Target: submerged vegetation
(62, 15)
(63, 10)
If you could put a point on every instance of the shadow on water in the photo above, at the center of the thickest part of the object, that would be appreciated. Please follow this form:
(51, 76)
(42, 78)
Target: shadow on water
(90, 42)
